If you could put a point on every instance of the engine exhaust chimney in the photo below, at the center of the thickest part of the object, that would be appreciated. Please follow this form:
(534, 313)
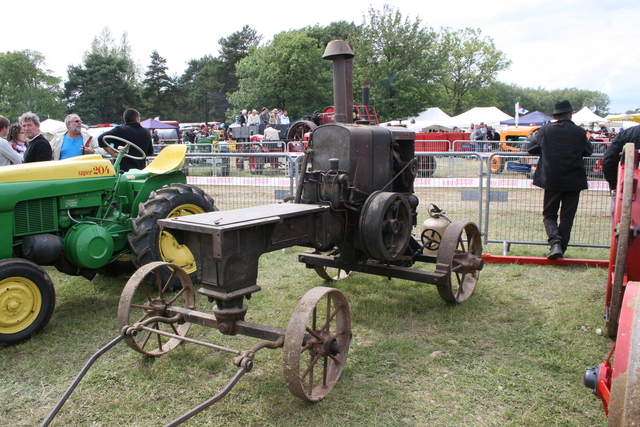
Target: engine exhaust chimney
(365, 93)
(341, 54)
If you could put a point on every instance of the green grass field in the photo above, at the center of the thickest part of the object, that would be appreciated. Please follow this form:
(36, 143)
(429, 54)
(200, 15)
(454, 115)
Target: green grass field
(512, 355)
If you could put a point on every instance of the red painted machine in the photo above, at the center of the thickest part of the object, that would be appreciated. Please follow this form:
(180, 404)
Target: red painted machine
(615, 381)
(361, 114)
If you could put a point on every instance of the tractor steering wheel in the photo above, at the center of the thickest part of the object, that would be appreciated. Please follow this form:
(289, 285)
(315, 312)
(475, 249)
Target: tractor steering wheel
(125, 149)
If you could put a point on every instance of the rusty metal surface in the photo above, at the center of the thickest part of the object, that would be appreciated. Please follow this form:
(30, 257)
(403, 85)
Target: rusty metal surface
(330, 275)
(319, 333)
(461, 250)
(438, 278)
(239, 218)
(145, 297)
(385, 226)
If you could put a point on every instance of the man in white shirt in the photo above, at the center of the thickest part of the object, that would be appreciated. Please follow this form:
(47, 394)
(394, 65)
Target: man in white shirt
(75, 141)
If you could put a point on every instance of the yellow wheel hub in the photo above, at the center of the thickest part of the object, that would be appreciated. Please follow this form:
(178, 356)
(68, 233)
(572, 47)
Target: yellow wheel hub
(170, 249)
(20, 304)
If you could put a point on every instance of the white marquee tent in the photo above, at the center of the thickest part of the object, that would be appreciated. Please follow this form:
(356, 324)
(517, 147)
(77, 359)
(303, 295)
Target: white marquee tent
(50, 127)
(586, 117)
(491, 116)
(430, 117)
(433, 115)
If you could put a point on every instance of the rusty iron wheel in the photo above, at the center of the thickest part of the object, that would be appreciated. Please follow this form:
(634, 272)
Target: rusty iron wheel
(461, 249)
(621, 242)
(147, 295)
(316, 343)
(327, 273)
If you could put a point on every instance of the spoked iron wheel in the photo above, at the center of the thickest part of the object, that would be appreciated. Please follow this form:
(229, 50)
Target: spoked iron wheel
(461, 249)
(298, 129)
(618, 259)
(316, 343)
(328, 273)
(147, 296)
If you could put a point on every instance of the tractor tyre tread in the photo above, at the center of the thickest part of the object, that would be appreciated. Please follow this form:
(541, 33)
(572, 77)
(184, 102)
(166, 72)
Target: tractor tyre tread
(145, 236)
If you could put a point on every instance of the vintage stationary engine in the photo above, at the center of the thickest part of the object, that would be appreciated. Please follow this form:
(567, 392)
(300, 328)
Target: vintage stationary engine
(365, 173)
(354, 210)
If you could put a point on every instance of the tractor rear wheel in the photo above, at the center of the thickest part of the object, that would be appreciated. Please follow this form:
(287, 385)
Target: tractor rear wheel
(149, 244)
(27, 300)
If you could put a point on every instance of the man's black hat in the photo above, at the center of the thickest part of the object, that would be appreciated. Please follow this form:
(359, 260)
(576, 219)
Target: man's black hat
(563, 107)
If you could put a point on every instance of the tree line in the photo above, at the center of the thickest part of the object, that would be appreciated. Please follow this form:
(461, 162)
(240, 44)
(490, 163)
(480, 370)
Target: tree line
(408, 66)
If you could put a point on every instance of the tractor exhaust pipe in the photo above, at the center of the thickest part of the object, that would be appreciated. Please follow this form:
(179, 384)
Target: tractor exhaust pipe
(341, 54)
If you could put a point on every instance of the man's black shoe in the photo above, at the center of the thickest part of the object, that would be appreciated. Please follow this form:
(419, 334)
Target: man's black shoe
(555, 252)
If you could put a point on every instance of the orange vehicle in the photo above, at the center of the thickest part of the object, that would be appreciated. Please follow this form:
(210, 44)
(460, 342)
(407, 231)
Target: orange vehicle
(514, 139)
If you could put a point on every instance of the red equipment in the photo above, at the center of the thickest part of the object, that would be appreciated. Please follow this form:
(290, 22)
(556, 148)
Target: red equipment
(616, 384)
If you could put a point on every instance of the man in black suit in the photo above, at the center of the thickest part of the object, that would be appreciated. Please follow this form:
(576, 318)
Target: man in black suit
(38, 148)
(133, 132)
(561, 146)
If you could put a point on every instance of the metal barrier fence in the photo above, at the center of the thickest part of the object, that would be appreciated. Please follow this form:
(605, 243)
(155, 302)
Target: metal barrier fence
(492, 189)
(241, 180)
(513, 210)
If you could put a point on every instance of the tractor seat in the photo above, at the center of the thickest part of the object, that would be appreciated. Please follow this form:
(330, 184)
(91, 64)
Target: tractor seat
(80, 167)
(170, 158)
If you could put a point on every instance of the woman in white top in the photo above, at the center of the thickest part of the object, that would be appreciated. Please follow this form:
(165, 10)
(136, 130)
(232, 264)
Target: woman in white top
(8, 156)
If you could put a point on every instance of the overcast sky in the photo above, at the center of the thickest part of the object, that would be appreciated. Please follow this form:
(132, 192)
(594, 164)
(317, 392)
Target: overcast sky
(553, 44)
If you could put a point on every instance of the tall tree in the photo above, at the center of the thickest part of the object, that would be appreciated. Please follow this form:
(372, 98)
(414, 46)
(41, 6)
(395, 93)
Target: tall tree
(198, 87)
(232, 50)
(156, 85)
(470, 64)
(505, 96)
(101, 89)
(287, 73)
(105, 44)
(396, 56)
(336, 30)
(26, 85)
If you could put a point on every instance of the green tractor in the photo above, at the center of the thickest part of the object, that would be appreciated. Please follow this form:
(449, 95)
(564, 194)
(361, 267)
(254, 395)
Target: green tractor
(82, 217)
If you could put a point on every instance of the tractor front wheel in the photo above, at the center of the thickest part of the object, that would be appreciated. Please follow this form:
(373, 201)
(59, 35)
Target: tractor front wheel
(149, 243)
(27, 300)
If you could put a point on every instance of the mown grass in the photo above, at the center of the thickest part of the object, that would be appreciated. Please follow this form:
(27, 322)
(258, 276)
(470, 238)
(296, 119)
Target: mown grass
(511, 355)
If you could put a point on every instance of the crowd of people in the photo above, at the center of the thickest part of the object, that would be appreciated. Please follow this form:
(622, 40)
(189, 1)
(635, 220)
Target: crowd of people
(75, 141)
(483, 133)
(265, 117)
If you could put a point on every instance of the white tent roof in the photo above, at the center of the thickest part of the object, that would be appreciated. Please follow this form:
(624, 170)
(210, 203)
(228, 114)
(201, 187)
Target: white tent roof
(430, 117)
(52, 126)
(586, 116)
(488, 115)
(433, 115)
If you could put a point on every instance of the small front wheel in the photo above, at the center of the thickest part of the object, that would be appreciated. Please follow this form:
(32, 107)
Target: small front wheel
(316, 343)
(147, 298)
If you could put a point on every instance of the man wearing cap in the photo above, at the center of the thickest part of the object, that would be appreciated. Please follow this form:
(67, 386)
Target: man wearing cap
(561, 146)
